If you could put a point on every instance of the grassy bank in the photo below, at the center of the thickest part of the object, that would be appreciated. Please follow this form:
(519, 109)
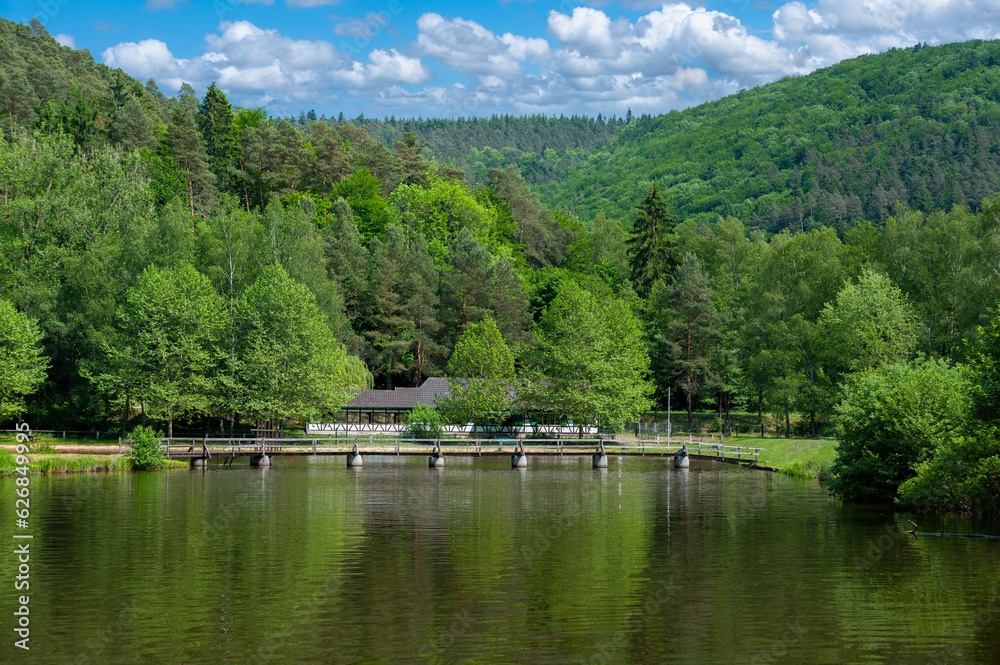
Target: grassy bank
(49, 463)
(808, 458)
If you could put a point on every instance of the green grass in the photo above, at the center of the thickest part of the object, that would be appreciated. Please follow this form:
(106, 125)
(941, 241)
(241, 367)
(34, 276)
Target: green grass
(66, 463)
(808, 458)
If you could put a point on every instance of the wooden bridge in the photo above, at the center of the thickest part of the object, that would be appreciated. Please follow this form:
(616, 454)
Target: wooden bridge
(225, 451)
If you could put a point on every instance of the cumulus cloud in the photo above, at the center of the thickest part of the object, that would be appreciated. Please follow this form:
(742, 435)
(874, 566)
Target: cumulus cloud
(262, 65)
(836, 29)
(469, 48)
(590, 60)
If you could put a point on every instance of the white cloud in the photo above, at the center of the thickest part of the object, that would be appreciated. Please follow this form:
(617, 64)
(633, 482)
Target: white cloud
(836, 29)
(469, 48)
(252, 63)
(65, 40)
(591, 60)
(144, 60)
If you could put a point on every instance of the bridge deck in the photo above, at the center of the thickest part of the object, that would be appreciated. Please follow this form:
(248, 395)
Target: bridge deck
(229, 448)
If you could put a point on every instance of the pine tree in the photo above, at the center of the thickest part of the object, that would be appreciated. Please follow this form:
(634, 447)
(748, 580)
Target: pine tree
(651, 247)
(188, 151)
(215, 121)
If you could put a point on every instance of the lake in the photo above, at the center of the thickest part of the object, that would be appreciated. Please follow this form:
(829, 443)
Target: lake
(309, 561)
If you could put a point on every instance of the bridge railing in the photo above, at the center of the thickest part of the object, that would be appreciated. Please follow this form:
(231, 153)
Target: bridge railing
(206, 447)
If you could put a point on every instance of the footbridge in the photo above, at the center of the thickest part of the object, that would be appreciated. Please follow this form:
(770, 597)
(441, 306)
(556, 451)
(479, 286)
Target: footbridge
(260, 452)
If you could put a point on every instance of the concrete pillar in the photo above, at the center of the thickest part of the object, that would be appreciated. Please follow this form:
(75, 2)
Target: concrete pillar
(519, 461)
(682, 461)
(198, 462)
(435, 462)
(600, 461)
(354, 459)
(260, 460)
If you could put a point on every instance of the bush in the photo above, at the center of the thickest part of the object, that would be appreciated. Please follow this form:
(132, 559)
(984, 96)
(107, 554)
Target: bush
(146, 453)
(890, 421)
(425, 423)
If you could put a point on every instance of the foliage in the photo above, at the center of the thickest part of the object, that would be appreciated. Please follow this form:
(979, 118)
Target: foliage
(685, 330)
(891, 420)
(650, 247)
(984, 362)
(589, 360)
(145, 452)
(871, 323)
(22, 365)
(481, 376)
(841, 144)
(288, 365)
(165, 353)
(425, 423)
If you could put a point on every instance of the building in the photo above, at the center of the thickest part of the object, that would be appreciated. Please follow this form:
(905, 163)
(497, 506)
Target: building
(386, 412)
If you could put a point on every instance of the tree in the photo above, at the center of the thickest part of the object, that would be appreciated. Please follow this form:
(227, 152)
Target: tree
(188, 151)
(871, 324)
(165, 350)
(686, 328)
(22, 365)
(215, 122)
(480, 375)
(650, 246)
(590, 360)
(289, 364)
(891, 419)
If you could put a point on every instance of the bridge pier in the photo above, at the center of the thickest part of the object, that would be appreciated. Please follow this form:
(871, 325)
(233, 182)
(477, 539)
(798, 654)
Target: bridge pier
(682, 461)
(260, 460)
(354, 458)
(600, 461)
(436, 461)
(198, 462)
(519, 460)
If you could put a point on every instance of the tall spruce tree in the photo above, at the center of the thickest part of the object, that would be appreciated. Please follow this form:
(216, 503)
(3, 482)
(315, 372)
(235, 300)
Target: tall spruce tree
(188, 151)
(651, 245)
(215, 121)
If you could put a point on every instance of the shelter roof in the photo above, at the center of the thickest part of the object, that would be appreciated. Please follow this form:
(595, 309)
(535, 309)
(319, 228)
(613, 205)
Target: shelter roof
(428, 393)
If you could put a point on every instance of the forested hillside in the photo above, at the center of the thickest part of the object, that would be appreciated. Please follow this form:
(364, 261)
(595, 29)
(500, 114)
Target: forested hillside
(540, 148)
(919, 126)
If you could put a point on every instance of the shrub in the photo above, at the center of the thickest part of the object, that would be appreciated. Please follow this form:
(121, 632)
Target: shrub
(146, 453)
(890, 421)
(425, 423)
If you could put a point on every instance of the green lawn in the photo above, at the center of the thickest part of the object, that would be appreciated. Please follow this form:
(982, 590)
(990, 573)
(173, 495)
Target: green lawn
(799, 457)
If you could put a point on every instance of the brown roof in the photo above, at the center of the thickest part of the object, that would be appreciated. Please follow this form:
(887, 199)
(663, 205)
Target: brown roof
(402, 398)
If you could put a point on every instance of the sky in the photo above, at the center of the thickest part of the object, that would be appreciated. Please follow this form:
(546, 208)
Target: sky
(451, 59)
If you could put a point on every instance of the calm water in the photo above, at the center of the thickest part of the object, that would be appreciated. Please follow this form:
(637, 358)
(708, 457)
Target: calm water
(312, 562)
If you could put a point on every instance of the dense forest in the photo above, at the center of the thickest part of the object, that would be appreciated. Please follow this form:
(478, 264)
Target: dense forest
(919, 126)
(177, 259)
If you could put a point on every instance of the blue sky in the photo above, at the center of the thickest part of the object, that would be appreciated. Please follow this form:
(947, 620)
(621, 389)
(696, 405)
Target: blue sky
(451, 59)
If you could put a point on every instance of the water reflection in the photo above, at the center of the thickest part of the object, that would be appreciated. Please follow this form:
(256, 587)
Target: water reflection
(475, 562)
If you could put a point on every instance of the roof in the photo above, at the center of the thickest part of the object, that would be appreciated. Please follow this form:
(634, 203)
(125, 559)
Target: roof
(428, 394)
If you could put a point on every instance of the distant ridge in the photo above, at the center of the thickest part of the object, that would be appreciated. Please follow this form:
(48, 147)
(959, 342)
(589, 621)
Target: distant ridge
(919, 126)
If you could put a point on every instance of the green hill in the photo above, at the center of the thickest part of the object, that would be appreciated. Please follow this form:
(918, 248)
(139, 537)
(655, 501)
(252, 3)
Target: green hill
(919, 126)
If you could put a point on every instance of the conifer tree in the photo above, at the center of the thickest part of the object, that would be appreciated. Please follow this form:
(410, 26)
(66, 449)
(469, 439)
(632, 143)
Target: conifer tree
(650, 247)
(188, 151)
(215, 121)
